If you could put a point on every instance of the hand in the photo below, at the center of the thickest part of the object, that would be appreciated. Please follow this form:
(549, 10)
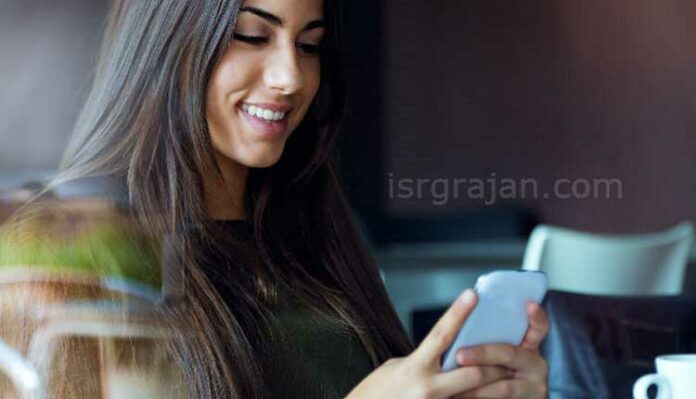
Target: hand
(527, 369)
(418, 375)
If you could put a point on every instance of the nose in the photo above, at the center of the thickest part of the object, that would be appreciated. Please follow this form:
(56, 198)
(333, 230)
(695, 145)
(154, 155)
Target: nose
(283, 73)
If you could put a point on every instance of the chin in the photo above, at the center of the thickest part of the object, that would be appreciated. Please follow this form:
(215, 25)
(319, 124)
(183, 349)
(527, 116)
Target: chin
(264, 160)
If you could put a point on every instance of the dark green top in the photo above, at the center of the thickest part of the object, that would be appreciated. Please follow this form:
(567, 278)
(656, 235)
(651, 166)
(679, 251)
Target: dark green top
(310, 358)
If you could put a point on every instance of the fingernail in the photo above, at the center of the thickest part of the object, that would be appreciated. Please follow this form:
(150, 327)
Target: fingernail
(467, 296)
(464, 355)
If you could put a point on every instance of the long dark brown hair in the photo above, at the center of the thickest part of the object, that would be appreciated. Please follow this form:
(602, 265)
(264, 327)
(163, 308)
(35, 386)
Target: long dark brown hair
(144, 123)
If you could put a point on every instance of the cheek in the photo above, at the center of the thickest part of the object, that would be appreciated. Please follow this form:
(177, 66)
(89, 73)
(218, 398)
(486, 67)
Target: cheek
(235, 74)
(215, 94)
(222, 83)
(219, 109)
(312, 81)
(228, 82)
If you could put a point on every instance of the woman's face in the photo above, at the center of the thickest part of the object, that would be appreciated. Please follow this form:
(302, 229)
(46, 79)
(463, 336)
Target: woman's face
(266, 80)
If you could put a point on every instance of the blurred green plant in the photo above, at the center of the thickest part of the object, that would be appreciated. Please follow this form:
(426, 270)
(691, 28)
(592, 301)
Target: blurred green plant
(102, 249)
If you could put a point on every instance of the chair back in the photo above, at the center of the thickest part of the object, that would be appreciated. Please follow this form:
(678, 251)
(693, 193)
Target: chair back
(34, 300)
(649, 264)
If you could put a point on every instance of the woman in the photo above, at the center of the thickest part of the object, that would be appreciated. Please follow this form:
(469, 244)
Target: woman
(220, 118)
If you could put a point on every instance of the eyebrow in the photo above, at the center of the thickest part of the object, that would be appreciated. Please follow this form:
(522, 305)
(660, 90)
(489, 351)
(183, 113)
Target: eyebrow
(274, 20)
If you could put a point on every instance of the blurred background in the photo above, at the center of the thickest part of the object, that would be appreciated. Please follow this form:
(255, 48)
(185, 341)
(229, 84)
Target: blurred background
(444, 89)
(542, 90)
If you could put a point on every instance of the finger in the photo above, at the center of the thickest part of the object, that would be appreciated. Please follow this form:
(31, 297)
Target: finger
(446, 328)
(508, 389)
(538, 327)
(464, 379)
(509, 356)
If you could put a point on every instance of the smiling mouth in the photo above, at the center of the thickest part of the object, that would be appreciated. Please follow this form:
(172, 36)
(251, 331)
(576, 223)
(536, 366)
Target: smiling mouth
(265, 114)
(268, 123)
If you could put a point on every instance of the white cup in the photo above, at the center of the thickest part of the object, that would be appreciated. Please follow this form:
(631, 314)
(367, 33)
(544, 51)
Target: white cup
(675, 378)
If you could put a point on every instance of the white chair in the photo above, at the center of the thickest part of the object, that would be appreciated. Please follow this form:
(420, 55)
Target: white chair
(106, 322)
(22, 374)
(64, 307)
(647, 264)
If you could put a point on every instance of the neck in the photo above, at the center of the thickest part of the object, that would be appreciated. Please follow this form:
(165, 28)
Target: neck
(225, 197)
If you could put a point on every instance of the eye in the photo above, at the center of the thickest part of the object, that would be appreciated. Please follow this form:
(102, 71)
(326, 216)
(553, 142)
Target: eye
(310, 49)
(255, 40)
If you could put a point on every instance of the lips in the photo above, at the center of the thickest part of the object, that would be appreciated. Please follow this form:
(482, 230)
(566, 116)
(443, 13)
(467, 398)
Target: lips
(269, 121)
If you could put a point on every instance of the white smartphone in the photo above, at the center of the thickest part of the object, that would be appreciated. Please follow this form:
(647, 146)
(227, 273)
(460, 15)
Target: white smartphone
(500, 315)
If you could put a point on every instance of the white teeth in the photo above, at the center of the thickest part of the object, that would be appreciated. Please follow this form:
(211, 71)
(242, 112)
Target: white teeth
(262, 113)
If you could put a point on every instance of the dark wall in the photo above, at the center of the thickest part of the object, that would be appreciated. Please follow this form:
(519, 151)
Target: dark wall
(545, 90)
(362, 145)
